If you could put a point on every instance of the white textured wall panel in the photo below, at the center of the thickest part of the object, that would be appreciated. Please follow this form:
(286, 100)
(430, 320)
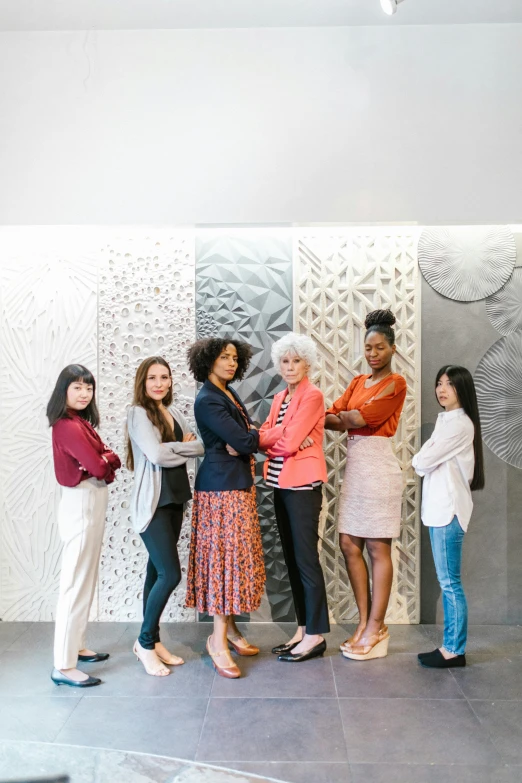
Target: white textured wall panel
(146, 308)
(48, 320)
(340, 276)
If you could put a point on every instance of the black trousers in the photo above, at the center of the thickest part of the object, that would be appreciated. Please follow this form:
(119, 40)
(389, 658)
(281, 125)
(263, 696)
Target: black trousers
(163, 569)
(297, 515)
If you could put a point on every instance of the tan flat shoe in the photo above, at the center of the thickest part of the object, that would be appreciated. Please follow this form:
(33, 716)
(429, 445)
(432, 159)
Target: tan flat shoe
(150, 661)
(242, 647)
(230, 672)
(167, 657)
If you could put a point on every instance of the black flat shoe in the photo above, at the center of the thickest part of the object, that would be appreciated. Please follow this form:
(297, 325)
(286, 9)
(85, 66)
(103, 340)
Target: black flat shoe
(60, 679)
(436, 660)
(315, 652)
(284, 648)
(93, 658)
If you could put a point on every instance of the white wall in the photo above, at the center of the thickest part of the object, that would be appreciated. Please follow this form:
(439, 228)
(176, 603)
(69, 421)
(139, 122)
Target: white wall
(257, 126)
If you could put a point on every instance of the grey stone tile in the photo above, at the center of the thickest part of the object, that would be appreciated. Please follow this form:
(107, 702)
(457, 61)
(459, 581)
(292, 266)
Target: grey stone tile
(9, 633)
(34, 717)
(170, 727)
(28, 673)
(484, 639)
(272, 730)
(40, 636)
(184, 639)
(503, 722)
(264, 676)
(406, 639)
(123, 675)
(421, 731)
(431, 773)
(488, 677)
(33, 760)
(397, 676)
(298, 771)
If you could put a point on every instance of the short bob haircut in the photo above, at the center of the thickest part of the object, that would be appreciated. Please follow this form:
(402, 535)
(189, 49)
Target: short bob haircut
(202, 355)
(295, 345)
(57, 405)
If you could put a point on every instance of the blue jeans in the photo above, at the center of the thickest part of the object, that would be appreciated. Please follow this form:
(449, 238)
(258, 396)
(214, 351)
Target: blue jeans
(446, 544)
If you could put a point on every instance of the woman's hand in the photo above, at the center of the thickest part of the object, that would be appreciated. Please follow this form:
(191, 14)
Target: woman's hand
(231, 451)
(188, 437)
(308, 441)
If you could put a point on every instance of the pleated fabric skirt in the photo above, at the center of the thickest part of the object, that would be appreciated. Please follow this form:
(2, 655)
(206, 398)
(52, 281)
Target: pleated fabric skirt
(370, 502)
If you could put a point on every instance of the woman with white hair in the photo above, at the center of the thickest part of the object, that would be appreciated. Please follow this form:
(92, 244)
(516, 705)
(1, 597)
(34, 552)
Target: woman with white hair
(292, 438)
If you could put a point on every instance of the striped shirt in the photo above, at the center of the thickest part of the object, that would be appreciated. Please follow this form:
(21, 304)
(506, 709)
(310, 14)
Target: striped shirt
(275, 464)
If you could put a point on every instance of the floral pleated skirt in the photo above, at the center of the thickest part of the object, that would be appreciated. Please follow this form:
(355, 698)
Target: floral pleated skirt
(226, 570)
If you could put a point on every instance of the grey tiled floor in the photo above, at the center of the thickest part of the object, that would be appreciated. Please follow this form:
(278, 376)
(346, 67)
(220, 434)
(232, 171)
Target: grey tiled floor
(325, 721)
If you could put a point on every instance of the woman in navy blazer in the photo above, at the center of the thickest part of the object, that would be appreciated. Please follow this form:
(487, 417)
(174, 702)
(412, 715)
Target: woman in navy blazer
(226, 573)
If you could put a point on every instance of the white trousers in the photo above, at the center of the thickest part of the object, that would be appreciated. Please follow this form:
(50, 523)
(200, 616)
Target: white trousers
(81, 521)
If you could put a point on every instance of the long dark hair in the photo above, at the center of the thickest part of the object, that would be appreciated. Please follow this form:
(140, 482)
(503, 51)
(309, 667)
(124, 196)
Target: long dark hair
(462, 381)
(57, 405)
(142, 399)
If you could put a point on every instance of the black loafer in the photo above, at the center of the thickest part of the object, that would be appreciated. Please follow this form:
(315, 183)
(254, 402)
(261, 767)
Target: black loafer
(315, 652)
(93, 658)
(284, 648)
(436, 660)
(60, 679)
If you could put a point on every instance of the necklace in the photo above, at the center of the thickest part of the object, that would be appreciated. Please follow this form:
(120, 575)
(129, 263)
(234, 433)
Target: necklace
(374, 383)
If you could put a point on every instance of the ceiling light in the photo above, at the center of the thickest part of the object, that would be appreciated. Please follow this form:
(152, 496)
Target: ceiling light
(390, 6)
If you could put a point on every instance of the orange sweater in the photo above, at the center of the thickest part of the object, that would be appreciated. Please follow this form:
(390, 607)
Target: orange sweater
(382, 414)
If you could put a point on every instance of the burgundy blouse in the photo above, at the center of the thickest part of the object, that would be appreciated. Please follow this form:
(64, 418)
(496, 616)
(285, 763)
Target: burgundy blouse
(78, 452)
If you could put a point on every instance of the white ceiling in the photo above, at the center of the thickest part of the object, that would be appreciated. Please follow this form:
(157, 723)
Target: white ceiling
(172, 14)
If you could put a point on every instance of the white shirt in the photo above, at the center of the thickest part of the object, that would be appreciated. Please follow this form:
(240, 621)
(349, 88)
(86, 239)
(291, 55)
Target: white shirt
(447, 462)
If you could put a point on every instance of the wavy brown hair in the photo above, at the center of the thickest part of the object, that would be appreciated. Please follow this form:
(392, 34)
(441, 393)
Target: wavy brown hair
(142, 399)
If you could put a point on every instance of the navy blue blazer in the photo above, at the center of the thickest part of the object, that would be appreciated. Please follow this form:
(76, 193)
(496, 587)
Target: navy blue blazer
(220, 422)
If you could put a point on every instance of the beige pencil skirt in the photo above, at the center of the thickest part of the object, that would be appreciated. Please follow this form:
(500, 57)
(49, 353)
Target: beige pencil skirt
(371, 495)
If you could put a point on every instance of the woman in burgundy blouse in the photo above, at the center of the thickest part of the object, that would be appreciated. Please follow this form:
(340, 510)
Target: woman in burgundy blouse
(83, 466)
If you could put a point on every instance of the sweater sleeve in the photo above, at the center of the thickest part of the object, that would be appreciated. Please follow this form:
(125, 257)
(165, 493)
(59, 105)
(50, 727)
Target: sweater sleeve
(74, 441)
(341, 404)
(144, 434)
(310, 411)
(444, 444)
(191, 448)
(379, 409)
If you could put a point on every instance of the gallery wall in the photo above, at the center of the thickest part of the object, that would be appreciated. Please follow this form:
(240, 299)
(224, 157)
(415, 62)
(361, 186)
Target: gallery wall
(340, 125)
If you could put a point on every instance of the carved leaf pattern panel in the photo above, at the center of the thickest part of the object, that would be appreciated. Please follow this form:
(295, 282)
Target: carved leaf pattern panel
(146, 308)
(48, 320)
(339, 277)
(244, 288)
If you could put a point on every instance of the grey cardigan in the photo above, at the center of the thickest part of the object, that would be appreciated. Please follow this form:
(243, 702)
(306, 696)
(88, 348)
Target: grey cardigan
(150, 456)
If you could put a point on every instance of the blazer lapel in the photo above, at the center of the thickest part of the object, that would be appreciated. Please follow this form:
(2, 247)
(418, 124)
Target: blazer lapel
(214, 389)
(301, 389)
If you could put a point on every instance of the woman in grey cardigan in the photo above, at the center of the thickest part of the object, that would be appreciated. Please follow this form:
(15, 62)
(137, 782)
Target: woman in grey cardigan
(159, 444)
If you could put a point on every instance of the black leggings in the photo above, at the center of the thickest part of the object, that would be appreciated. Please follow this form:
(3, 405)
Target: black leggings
(163, 569)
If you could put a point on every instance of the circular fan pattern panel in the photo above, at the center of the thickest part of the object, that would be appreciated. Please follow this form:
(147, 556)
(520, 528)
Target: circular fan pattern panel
(467, 263)
(504, 308)
(498, 379)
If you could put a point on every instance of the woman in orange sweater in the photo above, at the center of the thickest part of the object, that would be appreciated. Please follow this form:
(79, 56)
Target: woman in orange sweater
(292, 437)
(371, 496)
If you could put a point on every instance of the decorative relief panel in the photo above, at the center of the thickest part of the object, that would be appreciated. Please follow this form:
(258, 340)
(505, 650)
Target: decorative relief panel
(146, 308)
(339, 278)
(48, 320)
(244, 288)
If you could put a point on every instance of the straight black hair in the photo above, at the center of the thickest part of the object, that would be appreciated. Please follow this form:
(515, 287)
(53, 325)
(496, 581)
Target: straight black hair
(462, 381)
(57, 405)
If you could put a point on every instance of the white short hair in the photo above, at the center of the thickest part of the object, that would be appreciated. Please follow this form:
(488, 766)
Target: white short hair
(295, 345)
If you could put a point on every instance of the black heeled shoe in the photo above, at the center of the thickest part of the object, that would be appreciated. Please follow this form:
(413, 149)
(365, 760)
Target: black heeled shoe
(93, 658)
(284, 648)
(436, 660)
(60, 679)
(315, 652)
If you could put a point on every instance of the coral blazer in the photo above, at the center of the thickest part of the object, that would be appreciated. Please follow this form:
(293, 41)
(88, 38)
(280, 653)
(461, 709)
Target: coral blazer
(304, 416)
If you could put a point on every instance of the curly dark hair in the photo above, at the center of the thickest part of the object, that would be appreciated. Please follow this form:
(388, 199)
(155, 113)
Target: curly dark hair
(203, 353)
(381, 321)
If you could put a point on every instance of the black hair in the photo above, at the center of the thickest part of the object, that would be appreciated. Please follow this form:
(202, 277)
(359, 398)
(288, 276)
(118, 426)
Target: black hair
(381, 321)
(203, 353)
(57, 405)
(462, 381)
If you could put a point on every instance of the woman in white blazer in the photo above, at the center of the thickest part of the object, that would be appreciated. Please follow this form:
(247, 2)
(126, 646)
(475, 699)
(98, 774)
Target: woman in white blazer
(160, 442)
